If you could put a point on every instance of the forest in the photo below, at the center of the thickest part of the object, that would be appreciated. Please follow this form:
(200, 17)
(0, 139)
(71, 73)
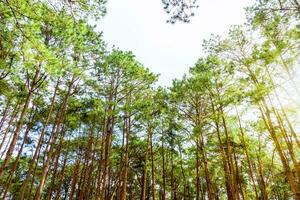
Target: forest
(79, 120)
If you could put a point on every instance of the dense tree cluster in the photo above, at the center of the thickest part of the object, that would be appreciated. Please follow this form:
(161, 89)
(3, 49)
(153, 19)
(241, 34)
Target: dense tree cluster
(79, 121)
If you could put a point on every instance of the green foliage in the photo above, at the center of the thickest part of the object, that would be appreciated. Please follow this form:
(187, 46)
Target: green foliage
(91, 123)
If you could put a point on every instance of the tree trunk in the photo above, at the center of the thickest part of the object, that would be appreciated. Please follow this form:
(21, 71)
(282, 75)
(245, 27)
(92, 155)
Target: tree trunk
(31, 89)
(52, 145)
(37, 149)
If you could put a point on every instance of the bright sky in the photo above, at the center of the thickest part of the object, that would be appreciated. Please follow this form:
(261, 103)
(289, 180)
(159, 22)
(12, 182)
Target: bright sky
(169, 50)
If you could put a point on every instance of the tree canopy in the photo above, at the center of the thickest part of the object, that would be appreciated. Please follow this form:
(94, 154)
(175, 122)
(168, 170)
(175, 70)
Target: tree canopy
(81, 121)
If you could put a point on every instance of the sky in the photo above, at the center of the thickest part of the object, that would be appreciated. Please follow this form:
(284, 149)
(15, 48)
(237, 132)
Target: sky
(167, 49)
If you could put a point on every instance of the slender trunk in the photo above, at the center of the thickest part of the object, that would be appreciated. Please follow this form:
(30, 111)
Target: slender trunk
(55, 168)
(228, 151)
(16, 162)
(200, 145)
(101, 161)
(55, 136)
(225, 159)
(289, 143)
(88, 154)
(264, 193)
(13, 116)
(291, 179)
(197, 175)
(89, 176)
(4, 115)
(74, 178)
(247, 155)
(38, 147)
(152, 165)
(185, 185)
(283, 112)
(144, 177)
(125, 173)
(13, 143)
(108, 131)
(163, 170)
(237, 178)
(121, 168)
(15, 136)
(106, 161)
(172, 179)
(265, 113)
(61, 177)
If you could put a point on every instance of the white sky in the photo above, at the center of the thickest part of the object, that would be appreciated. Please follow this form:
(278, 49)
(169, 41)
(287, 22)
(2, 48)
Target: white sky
(169, 50)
